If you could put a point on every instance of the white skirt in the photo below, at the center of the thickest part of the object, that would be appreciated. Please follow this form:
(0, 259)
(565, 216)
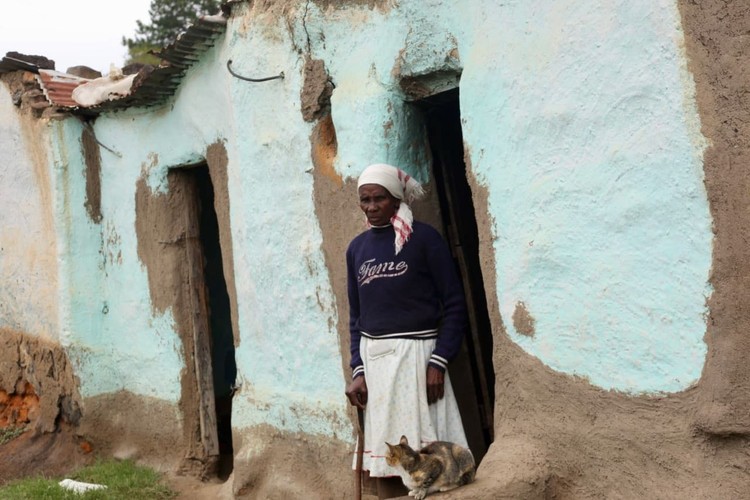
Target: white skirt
(396, 376)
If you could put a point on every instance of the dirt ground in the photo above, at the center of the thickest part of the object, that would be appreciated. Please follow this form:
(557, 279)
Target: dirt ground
(189, 488)
(62, 452)
(48, 454)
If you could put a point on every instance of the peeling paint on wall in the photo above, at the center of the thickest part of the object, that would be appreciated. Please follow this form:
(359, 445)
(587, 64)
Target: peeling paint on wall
(52, 395)
(28, 245)
(93, 160)
(523, 322)
(216, 158)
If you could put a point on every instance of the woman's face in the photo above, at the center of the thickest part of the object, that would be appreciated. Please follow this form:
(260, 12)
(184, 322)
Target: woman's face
(378, 204)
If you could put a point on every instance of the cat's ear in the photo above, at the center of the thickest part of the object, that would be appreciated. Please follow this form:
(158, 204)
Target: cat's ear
(404, 441)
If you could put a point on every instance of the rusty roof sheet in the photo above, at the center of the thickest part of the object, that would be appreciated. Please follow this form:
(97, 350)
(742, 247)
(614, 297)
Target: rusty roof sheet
(58, 87)
(150, 88)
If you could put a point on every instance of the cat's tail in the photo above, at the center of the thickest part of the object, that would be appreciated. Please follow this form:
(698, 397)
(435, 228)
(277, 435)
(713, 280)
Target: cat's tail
(466, 477)
(466, 464)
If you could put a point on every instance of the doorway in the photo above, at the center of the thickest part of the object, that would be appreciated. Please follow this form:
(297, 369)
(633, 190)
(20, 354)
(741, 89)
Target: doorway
(472, 373)
(213, 338)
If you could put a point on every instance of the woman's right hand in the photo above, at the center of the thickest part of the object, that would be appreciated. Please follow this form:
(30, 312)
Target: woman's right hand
(357, 392)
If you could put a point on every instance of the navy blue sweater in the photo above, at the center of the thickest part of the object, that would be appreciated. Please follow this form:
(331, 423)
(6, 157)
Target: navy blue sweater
(415, 294)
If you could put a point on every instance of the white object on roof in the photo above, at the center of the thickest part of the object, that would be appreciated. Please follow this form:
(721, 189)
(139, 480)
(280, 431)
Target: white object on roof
(79, 487)
(106, 88)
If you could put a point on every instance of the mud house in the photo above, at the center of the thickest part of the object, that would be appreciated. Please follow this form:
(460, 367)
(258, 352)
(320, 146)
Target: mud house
(586, 161)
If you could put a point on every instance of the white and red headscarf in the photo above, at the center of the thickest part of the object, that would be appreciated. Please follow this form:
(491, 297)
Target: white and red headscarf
(403, 187)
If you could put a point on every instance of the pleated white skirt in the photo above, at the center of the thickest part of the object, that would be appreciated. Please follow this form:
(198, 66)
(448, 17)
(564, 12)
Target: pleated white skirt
(396, 375)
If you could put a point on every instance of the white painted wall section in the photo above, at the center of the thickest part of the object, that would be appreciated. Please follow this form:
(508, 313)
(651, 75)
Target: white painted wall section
(28, 247)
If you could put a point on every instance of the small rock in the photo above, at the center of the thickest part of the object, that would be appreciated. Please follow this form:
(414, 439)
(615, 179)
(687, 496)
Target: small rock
(84, 72)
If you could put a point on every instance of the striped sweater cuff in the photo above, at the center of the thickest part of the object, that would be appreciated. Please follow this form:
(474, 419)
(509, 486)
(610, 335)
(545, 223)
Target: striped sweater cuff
(439, 362)
(358, 371)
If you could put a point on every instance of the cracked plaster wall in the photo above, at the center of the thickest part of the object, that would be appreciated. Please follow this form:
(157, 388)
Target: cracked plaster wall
(601, 217)
(581, 122)
(119, 333)
(28, 246)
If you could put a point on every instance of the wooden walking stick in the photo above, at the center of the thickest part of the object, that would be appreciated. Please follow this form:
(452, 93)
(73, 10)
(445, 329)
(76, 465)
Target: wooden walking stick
(360, 452)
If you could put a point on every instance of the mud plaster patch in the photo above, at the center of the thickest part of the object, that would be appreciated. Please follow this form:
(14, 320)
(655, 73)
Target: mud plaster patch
(93, 160)
(717, 46)
(18, 407)
(485, 233)
(161, 228)
(275, 464)
(45, 366)
(315, 94)
(216, 158)
(324, 146)
(522, 320)
(338, 216)
(137, 427)
(26, 93)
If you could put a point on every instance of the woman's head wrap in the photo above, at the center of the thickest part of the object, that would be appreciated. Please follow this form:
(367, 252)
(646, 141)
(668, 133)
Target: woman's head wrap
(403, 187)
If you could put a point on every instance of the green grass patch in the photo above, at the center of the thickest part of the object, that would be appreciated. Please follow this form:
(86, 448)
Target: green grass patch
(10, 433)
(124, 480)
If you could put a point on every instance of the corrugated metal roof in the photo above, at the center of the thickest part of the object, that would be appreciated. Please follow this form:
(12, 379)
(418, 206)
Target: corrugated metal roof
(58, 87)
(149, 88)
(158, 86)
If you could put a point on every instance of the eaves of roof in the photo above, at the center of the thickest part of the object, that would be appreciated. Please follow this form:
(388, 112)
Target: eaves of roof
(151, 87)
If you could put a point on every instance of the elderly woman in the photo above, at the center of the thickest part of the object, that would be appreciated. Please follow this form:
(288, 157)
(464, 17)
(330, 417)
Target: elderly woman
(407, 317)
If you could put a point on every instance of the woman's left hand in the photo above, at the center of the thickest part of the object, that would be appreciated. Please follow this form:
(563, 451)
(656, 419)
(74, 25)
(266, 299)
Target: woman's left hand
(435, 384)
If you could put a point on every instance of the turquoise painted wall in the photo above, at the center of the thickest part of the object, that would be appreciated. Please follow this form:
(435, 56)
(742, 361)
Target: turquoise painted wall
(288, 357)
(112, 335)
(594, 165)
(579, 120)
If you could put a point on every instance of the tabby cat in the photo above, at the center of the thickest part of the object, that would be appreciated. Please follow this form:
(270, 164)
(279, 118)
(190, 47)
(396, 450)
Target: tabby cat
(439, 466)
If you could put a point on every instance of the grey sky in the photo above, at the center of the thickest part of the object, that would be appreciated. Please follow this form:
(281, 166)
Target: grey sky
(72, 32)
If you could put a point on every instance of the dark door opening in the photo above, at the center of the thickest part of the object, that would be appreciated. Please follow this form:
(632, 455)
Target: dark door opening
(220, 336)
(472, 374)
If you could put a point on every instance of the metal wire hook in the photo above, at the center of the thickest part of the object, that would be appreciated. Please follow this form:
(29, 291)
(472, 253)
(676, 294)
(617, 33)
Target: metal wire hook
(254, 80)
